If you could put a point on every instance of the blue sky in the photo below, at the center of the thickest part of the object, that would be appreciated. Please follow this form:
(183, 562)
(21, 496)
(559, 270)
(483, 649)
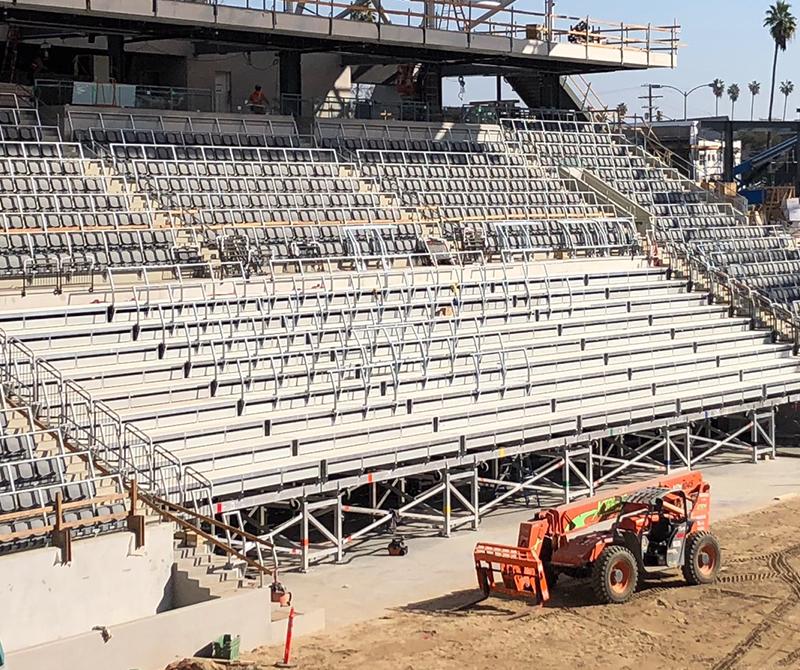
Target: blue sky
(723, 38)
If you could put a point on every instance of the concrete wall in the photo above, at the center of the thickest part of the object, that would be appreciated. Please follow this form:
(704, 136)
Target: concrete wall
(154, 642)
(322, 75)
(186, 589)
(156, 69)
(246, 71)
(108, 582)
(387, 95)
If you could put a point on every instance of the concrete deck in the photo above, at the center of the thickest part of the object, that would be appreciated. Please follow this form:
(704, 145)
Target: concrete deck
(370, 582)
(622, 47)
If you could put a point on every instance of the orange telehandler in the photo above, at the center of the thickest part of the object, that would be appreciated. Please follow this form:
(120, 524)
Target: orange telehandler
(649, 527)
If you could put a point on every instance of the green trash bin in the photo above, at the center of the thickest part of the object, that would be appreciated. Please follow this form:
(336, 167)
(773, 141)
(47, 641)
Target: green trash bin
(226, 648)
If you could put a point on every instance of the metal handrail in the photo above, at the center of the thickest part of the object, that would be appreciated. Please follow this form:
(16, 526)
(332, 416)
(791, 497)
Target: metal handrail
(486, 18)
(90, 423)
(739, 296)
(193, 521)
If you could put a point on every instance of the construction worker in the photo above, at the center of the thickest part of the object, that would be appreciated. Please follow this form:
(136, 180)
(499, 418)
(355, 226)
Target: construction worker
(257, 101)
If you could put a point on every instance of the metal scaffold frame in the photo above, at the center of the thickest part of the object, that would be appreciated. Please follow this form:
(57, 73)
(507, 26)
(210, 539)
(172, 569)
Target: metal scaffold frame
(448, 499)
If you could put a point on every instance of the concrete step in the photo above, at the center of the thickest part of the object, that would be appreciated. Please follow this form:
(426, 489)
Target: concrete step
(208, 573)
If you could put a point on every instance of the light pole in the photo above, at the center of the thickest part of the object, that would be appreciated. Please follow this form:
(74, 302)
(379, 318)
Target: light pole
(685, 95)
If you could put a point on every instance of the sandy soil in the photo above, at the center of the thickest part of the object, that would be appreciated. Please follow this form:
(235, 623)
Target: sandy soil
(749, 619)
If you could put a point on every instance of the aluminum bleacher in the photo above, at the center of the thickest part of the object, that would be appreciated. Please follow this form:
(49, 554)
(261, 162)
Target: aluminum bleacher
(686, 220)
(285, 390)
(349, 370)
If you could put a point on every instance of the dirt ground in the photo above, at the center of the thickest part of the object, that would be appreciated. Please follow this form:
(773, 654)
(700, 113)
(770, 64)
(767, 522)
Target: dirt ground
(749, 619)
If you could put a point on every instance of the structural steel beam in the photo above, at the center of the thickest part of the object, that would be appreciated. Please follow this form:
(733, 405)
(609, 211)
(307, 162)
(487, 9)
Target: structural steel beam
(501, 5)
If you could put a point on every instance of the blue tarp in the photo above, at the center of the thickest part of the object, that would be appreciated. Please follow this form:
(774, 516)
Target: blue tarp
(754, 196)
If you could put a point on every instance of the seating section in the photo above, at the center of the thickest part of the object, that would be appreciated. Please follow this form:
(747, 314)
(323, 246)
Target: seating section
(269, 185)
(327, 241)
(129, 139)
(259, 198)
(252, 188)
(290, 385)
(138, 190)
(85, 252)
(683, 216)
(40, 478)
(163, 187)
(471, 178)
(64, 212)
(361, 361)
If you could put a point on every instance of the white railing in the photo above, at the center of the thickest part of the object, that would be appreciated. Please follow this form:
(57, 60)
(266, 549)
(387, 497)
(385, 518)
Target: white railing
(92, 425)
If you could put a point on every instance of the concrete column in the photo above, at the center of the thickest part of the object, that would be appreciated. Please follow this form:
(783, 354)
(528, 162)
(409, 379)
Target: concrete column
(551, 94)
(116, 57)
(290, 82)
(727, 162)
(434, 90)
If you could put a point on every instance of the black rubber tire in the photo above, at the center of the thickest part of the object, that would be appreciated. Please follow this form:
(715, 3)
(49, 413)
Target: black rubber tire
(551, 576)
(613, 558)
(483, 581)
(700, 547)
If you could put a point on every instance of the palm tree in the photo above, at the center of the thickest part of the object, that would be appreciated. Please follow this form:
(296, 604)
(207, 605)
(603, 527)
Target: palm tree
(718, 87)
(733, 94)
(755, 89)
(782, 26)
(786, 89)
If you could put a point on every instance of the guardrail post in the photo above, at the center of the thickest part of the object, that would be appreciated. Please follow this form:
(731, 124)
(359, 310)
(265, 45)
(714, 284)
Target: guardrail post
(771, 428)
(135, 522)
(134, 494)
(62, 537)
